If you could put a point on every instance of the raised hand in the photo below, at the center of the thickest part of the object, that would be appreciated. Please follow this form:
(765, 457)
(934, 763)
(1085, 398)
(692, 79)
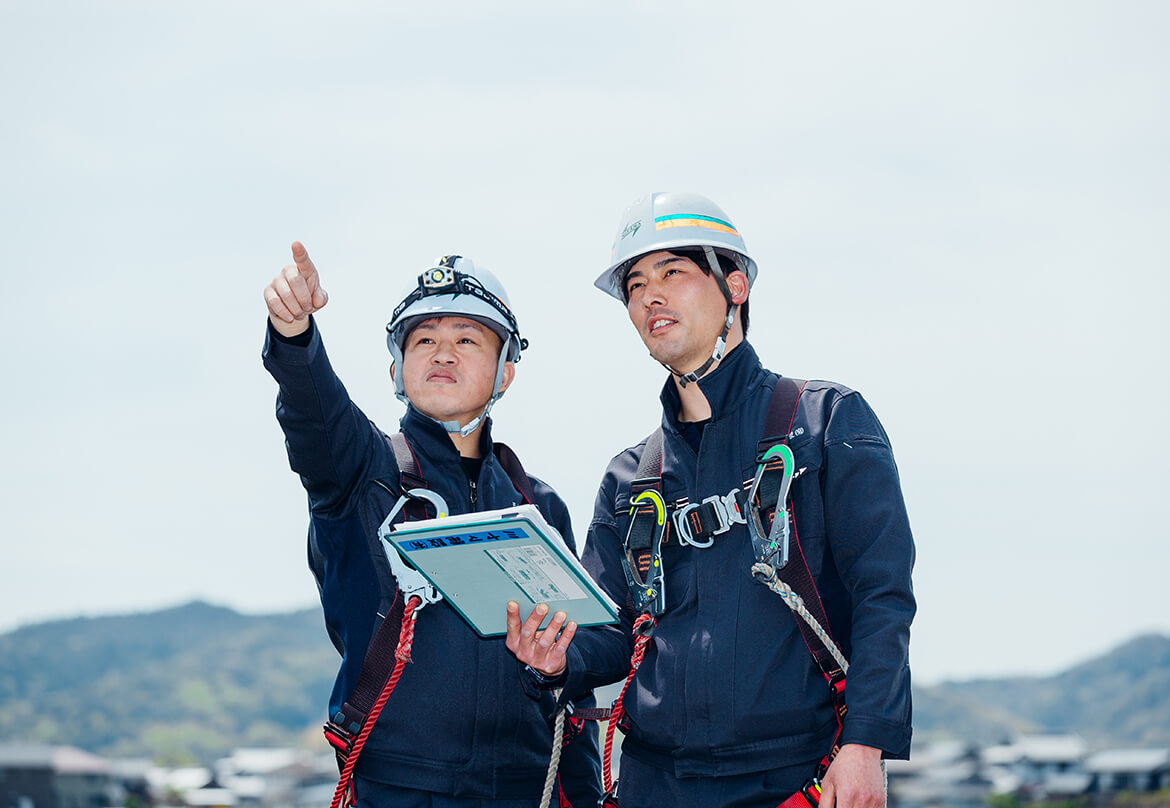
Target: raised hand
(294, 294)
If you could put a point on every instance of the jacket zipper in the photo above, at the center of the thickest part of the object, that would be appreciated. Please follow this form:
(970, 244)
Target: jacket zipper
(474, 498)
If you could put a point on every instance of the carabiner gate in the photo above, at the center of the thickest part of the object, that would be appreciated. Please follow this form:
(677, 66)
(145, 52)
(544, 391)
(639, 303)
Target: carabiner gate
(771, 546)
(410, 581)
(647, 586)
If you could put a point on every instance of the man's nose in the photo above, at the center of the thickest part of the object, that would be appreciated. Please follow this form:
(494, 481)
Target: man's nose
(444, 354)
(653, 294)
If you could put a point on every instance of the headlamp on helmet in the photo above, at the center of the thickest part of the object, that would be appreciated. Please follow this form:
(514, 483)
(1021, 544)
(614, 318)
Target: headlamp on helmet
(454, 287)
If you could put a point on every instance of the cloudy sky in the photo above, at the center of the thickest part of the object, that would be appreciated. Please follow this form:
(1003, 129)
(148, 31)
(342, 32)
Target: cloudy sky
(959, 209)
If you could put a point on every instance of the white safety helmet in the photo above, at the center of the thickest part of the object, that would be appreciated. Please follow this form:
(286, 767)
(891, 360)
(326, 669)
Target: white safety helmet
(666, 221)
(455, 287)
(672, 221)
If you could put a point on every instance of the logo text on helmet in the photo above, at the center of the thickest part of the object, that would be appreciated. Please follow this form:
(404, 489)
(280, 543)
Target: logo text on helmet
(631, 228)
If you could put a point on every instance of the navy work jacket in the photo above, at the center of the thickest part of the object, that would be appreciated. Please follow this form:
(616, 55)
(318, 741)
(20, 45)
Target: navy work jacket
(728, 685)
(460, 720)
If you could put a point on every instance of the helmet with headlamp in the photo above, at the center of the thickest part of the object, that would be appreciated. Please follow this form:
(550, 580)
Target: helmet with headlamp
(455, 287)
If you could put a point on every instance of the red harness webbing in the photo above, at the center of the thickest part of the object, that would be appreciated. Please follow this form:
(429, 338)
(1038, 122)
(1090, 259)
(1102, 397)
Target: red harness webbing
(345, 790)
(781, 416)
(381, 669)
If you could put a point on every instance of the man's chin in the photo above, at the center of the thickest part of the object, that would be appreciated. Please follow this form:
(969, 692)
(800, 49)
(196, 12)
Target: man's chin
(673, 360)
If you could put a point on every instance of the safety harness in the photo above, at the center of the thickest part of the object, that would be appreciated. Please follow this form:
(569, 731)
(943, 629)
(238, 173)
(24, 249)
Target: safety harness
(764, 505)
(389, 650)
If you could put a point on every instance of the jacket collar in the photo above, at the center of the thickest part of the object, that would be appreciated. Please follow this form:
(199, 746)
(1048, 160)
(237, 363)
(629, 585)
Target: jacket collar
(725, 387)
(429, 440)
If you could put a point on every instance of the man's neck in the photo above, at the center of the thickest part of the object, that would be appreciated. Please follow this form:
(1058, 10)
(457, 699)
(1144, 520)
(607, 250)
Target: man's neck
(467, 445)
(693, 403)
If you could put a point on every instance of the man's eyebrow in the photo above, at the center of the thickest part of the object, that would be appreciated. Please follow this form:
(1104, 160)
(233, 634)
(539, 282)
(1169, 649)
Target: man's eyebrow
(432, 324)
(637, 273)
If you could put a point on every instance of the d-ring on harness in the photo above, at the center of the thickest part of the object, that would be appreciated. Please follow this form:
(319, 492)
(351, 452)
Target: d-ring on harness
(389, 649)
(768, 512)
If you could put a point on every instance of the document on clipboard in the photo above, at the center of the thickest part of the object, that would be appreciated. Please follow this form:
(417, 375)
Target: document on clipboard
(480, 561)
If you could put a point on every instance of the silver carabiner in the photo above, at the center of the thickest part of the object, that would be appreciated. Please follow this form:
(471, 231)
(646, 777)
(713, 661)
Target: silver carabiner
(410, 581)
(773, 548)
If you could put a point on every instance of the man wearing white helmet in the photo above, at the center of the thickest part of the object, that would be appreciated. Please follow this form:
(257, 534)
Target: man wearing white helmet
(462, 726)
(760, 541)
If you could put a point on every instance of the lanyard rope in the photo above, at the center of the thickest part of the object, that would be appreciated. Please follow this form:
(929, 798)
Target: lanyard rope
(345, 788)
(767, 575)
(618, 712)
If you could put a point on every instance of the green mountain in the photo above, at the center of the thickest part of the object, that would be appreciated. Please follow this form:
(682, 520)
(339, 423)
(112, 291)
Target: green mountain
(1121, 698)
(178, 685)
(191, 683)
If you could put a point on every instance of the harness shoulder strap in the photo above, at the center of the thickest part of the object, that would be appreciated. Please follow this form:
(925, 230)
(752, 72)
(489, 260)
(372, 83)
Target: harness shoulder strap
(379, 659)
(782, 409)
(650, 463)
(515, 471)
(342, 730)
(642, 531)
(796, 574)
(407, 463)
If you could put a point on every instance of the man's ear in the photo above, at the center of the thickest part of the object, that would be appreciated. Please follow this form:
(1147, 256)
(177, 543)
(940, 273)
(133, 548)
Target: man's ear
(393, 367)
(737, 284)
(509, 375)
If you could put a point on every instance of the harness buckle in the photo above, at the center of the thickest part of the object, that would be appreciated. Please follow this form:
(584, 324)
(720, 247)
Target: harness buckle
(410, 581)
(340, 738)
(811, 791)
(727, 513)
(731, 508)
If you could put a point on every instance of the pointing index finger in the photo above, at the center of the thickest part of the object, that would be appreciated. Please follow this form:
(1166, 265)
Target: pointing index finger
(304, 264)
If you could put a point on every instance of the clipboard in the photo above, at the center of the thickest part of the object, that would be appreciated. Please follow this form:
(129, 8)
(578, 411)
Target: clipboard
(480, 561)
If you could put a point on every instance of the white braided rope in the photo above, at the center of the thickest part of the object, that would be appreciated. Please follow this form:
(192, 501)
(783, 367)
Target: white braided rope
(554, 762)
(767, 576)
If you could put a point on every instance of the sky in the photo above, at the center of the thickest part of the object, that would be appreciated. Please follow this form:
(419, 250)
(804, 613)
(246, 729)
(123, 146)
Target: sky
(959, 209)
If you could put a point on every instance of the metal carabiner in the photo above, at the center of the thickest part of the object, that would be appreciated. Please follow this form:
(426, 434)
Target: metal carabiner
(648, 595)
(410, 581)
(773, 548)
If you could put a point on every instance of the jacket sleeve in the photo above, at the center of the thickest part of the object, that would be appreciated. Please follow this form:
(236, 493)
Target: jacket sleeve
(869, 536)
(580, 770)
(330, 442)
(600, 655)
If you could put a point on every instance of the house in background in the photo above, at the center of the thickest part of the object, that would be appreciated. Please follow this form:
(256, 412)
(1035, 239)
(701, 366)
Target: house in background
(1129, 770)
(1038, 766)
(34, 776)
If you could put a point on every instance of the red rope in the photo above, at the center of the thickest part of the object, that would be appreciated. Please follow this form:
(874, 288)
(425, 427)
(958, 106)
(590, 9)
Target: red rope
(402, 655)
(618, 711)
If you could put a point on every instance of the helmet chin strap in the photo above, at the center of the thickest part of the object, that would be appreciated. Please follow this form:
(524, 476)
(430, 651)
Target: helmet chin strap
(453, 427)
(721, 341)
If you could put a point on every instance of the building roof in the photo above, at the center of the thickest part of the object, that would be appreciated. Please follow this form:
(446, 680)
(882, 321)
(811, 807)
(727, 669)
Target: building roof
(63, 759)
(1038, 749)
(1128, 761)
(26, 756)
